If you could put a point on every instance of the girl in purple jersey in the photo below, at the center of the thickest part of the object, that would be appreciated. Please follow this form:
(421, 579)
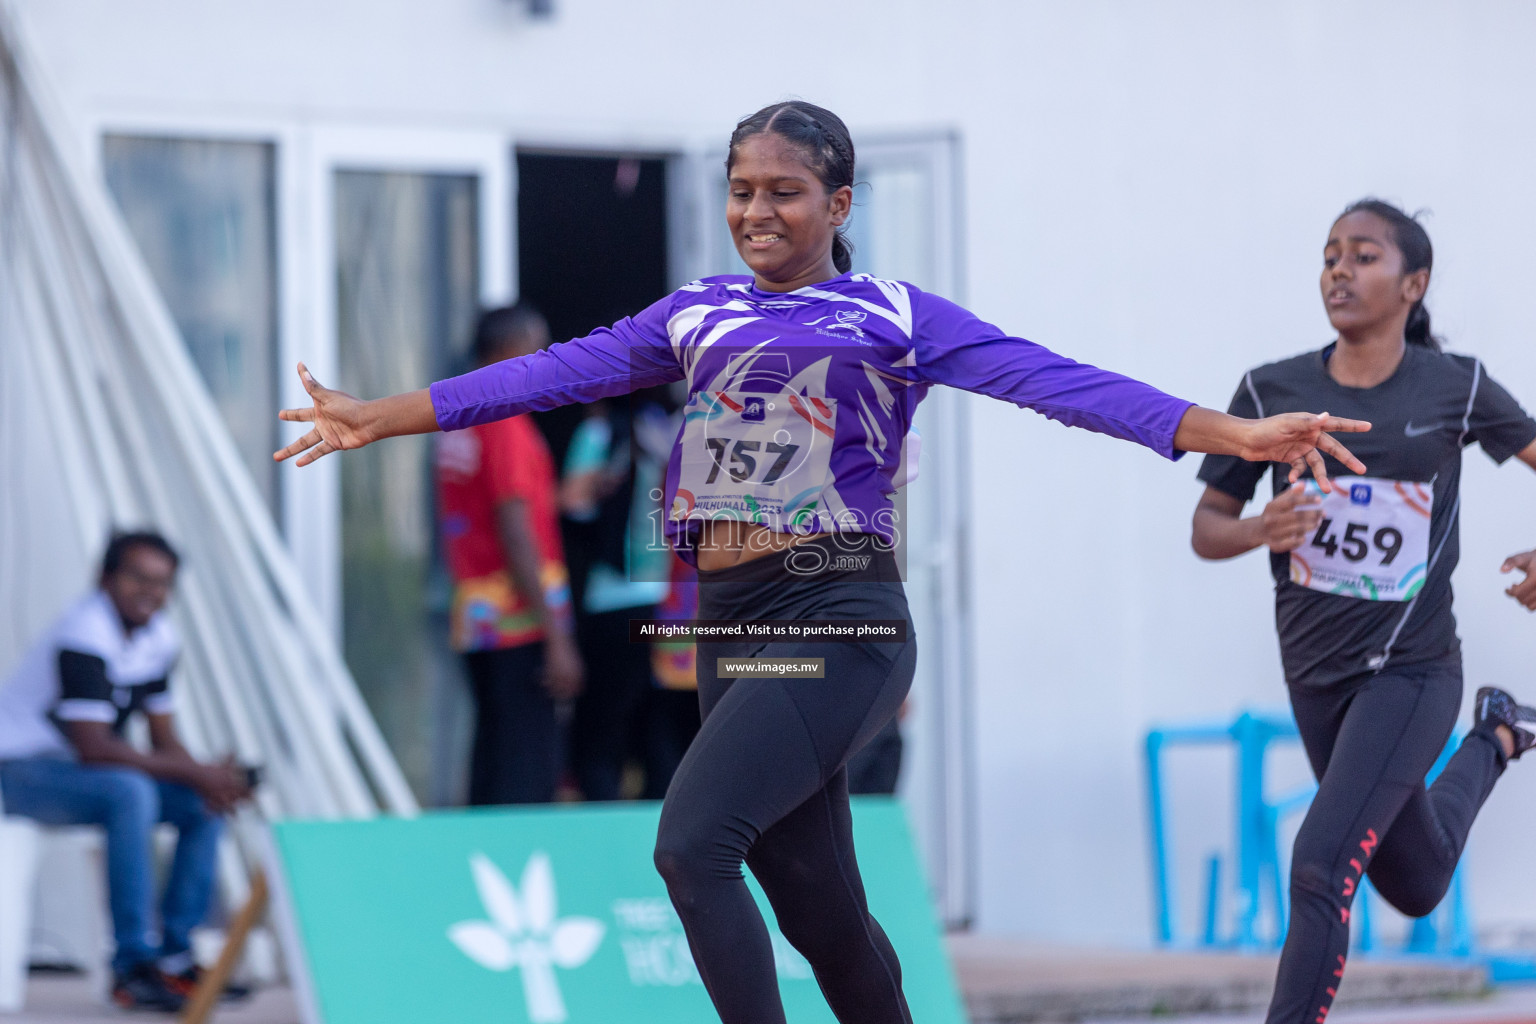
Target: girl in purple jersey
(1363, 597)
(802, 378)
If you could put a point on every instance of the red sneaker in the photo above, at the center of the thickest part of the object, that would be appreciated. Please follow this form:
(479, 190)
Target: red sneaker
(183, 982)
(143, 987)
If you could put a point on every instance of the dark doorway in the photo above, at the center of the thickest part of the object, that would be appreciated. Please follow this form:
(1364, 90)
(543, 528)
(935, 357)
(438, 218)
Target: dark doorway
(591, 247)
(591, 237)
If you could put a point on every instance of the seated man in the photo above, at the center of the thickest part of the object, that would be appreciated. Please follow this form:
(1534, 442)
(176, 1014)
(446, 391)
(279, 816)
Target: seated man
(64, 761)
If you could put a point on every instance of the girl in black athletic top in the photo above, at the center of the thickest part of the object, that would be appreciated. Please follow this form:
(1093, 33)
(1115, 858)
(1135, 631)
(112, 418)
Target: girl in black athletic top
(1363, 595)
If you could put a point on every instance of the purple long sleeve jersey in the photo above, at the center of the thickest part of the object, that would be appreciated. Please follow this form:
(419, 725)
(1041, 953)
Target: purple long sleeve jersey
(800, 402)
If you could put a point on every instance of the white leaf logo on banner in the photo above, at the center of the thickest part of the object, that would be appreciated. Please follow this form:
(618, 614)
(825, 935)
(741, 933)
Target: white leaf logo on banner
(523, 932)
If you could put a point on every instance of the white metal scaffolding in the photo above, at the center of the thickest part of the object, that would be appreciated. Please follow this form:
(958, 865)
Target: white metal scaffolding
(104, 422)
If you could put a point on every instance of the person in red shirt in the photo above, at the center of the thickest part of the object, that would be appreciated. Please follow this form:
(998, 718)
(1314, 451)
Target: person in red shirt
(511, 614)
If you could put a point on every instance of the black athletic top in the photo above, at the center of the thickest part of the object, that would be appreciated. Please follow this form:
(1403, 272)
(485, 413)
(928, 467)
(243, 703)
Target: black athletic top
(1422, 416)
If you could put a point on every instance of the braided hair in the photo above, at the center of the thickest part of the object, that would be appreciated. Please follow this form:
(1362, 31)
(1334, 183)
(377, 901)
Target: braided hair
(826, 143)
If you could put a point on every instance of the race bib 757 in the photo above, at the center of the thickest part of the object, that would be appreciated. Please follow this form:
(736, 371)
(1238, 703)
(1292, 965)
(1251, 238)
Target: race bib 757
(759, 458)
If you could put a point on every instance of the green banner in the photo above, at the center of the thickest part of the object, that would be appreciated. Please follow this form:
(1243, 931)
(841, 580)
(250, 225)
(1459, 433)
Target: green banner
(549, 915)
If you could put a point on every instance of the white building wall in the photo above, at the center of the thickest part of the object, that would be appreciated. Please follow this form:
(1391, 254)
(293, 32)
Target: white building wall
(1146, 187)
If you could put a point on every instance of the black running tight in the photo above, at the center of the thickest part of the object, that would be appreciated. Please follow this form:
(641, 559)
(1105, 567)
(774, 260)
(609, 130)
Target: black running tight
(1371, 740)
(765, 782)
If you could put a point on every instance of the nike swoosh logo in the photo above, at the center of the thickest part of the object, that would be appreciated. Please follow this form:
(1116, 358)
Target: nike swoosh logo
(1409, 430)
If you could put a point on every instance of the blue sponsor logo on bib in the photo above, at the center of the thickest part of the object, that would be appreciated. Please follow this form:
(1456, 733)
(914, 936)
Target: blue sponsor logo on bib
(753, 412)
(1359, 494)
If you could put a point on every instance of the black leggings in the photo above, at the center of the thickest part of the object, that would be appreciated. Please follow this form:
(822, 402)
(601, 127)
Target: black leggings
(765, 781)
(1371, 740)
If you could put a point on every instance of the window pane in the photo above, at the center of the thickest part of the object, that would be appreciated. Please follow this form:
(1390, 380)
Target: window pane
(407, 289)
(892, 224)
(203, 213)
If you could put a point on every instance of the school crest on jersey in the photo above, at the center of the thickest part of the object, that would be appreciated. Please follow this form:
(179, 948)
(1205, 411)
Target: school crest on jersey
(841, 324)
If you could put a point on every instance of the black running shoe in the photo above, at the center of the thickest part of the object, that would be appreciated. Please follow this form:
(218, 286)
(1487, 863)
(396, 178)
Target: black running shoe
(1496, 707)
(183, 982)
(142, 987)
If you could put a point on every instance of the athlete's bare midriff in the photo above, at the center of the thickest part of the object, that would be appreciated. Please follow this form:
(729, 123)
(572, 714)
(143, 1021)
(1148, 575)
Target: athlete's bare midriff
(724, 543)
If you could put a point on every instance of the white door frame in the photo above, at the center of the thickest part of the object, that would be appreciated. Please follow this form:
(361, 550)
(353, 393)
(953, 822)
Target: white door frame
(312, 500)
(939, 776)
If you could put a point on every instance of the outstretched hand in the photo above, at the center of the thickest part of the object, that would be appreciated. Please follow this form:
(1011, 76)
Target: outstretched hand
(1301, 439)
(341, 422)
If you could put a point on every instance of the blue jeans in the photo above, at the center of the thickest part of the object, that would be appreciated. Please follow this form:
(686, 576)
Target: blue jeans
(128, 804)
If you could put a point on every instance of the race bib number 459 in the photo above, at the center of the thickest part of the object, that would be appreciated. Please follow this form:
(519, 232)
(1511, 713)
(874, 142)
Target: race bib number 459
(759, 458)
(1372, 542)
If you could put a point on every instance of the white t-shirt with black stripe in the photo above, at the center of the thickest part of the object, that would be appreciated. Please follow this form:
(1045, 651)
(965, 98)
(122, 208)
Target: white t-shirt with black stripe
(86, 668)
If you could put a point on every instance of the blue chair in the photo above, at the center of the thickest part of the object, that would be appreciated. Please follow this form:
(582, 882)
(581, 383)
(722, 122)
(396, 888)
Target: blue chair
(1448, 931)
(1256, 844)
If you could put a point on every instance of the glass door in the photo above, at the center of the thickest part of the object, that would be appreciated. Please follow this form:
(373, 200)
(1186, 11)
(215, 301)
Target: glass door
(407, 293)
(904, 227)
(407, 242)
(204, 214)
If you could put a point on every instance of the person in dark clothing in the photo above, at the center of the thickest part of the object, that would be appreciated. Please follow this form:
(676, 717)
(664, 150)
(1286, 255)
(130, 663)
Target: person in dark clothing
(671, 713)
(1363, 595)
(511, 614)
(614, 469)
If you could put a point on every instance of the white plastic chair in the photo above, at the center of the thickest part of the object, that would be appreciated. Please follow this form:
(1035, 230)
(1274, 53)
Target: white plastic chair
(50, 876)
(18, 869)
